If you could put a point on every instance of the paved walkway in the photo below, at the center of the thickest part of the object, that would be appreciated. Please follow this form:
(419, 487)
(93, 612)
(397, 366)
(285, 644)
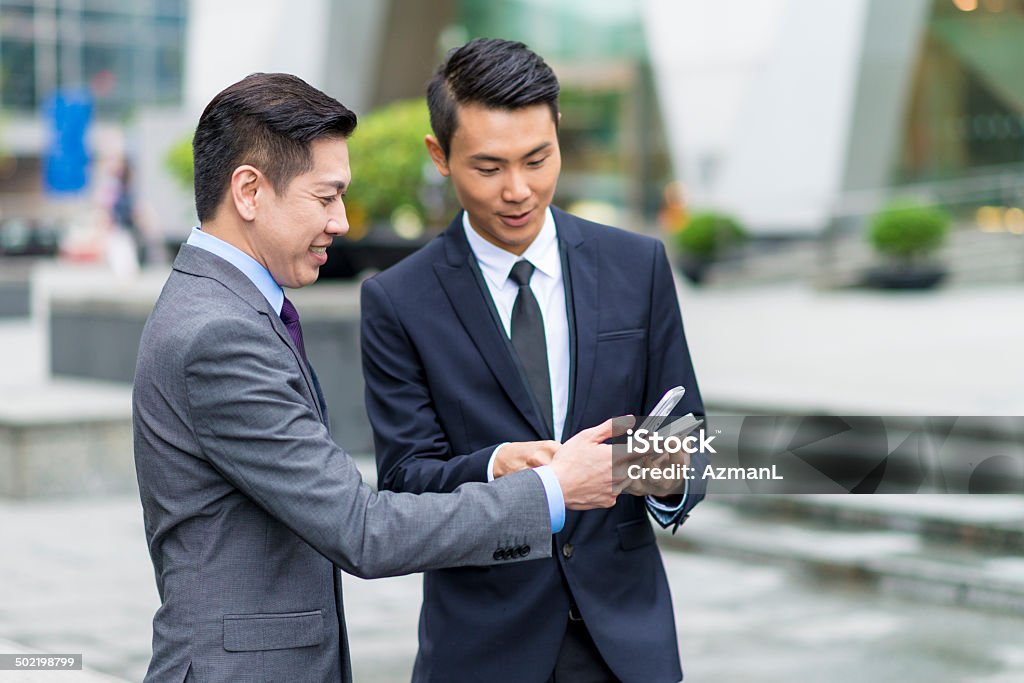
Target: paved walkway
(75, 577)
(86, 675)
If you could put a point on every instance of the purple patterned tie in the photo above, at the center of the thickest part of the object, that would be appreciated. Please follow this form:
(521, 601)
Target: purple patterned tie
(290, 318)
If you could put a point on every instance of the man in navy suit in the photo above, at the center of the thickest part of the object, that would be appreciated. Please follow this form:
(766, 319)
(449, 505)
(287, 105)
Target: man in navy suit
(523, 320)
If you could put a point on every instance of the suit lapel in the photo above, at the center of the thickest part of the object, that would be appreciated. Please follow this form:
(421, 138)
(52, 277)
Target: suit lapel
(563, 249)
(196, 261)
(580, 272)
(324, 415)
(475, 310)
(582, 283)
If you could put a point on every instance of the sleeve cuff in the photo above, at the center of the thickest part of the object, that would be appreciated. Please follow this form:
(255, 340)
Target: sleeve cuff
(490, 462)
(667, 515)
(556, 502)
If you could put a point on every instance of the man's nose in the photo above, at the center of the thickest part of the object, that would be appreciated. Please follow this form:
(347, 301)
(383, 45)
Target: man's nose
(516, 189)
(337, 222)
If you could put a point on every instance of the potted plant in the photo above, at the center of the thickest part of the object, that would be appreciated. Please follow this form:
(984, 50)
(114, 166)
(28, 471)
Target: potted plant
(907, 234)
(704, 238)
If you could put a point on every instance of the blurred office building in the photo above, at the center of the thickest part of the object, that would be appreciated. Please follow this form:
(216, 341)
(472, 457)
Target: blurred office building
(797, 113)
(791, 114)
(77, 80)
(794, 115)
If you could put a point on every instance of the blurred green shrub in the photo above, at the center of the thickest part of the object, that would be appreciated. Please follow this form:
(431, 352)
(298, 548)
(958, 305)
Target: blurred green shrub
(178, 162)
(708, 234)
(907, 230)
(387, 155)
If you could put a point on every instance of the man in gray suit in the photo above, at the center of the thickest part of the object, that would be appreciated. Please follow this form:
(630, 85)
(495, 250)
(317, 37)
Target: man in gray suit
(250, 507)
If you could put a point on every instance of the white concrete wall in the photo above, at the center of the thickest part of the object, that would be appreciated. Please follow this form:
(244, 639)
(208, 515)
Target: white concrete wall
(229, 39)
(704, 56)
(759, 98)
(329, 43)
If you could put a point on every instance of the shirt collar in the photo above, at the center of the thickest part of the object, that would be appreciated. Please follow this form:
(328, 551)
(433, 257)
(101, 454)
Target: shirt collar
(249, 266)
(496, 263)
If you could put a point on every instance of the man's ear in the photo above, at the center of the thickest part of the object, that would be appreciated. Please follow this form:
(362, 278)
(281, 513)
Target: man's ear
(246, 183)
(437, 155)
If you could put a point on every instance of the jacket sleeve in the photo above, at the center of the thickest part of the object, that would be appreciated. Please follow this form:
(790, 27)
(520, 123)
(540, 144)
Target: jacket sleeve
(255, 422)
(669, 365)
(413, 451)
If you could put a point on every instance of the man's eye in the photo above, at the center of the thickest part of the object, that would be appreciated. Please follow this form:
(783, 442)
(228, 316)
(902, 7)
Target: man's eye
(536, 163)
(487, 171)
(328, 200)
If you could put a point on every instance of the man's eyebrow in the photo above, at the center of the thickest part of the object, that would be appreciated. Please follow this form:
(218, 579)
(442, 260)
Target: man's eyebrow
(336, 185)
(489, 157)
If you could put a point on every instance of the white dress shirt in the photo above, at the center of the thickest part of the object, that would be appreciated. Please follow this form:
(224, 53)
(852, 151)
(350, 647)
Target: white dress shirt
(549, 289)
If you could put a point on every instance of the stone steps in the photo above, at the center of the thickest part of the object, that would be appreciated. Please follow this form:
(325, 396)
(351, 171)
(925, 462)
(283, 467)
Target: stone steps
(942, 548)
(978, 522)
(66, 437)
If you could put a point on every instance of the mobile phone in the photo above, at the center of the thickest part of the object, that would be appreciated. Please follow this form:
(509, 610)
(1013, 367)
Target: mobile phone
(668, 401)
(664, 407)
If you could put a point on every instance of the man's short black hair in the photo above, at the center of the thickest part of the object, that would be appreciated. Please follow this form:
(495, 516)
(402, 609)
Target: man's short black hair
(267, 121)
(495, 73)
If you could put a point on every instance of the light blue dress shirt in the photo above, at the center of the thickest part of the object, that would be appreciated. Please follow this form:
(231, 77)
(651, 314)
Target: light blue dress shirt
(249, 266)
(274, 295)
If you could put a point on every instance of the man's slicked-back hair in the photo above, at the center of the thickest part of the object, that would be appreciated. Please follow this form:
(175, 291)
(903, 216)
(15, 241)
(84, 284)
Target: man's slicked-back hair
(494, 73)
(267, 121)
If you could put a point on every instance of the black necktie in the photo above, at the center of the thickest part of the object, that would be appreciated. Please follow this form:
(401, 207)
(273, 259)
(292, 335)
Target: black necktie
(290, 318)
(528, 338)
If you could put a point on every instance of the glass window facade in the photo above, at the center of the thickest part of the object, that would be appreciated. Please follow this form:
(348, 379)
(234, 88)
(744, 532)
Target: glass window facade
(127, 52)
(965, 110)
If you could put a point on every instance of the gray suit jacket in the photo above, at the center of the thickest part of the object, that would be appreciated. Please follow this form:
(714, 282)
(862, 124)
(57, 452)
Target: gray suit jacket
(250, 507)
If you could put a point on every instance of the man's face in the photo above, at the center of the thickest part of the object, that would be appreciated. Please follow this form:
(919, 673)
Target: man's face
(504, 167)
(292, 230)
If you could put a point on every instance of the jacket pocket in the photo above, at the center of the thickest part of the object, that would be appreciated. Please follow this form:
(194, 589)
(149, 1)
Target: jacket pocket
(635, 534)
(254, 632)
(621, 334)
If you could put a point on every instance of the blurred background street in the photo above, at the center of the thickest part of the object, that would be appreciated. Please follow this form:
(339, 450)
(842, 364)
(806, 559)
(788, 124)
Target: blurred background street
(840, 186)
(738, 620)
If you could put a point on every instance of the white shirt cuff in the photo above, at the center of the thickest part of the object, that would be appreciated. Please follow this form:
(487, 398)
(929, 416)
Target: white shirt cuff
(490, 463)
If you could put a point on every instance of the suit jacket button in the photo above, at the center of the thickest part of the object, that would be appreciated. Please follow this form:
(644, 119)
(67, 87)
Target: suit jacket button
(567, 550)
(526, 550)
(499, 554)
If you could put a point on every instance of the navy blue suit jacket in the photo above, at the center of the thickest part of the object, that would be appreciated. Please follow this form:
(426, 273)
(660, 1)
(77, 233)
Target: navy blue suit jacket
(443, 389)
